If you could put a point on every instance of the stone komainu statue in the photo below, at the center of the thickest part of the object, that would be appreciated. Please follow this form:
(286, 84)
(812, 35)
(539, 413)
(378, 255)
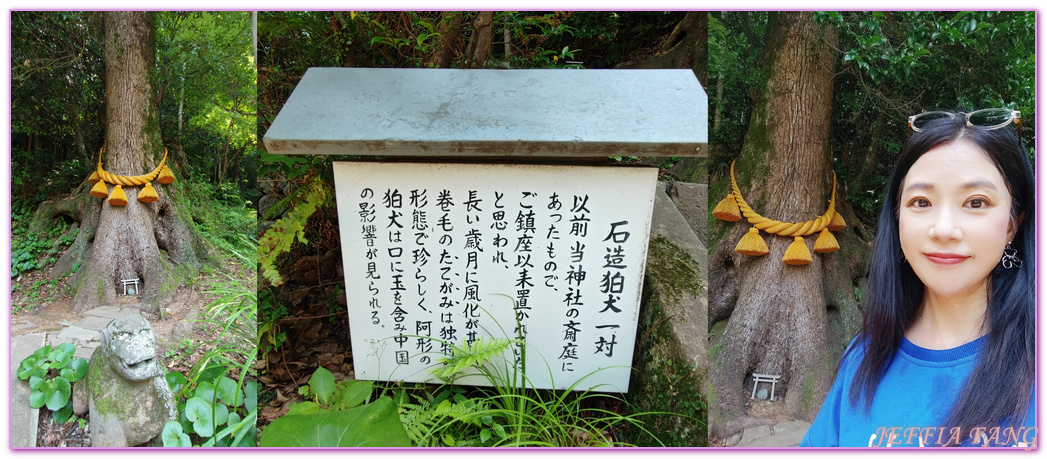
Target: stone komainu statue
(128, 397)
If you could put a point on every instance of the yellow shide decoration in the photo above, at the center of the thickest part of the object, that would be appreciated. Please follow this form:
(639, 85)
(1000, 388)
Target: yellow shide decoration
(733, 207)
(100, 177)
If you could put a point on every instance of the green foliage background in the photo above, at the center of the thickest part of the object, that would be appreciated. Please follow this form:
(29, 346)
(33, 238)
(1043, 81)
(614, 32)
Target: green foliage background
(205, 64)
(891, 65)
(204, 85)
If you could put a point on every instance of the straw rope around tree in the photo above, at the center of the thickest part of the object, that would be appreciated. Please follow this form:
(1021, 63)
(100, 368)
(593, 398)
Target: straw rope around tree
(100, 177)
(733, 207)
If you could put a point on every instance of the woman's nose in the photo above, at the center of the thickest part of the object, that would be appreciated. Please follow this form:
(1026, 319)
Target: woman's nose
(945, 226)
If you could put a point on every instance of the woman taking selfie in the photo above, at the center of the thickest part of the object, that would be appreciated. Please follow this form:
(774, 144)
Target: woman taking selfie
(945, 355)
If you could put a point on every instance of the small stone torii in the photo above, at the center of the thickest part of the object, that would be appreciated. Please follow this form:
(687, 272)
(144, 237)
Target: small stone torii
(759, 378)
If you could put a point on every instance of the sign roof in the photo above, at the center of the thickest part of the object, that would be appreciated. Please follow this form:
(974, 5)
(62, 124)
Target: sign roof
(541, 113)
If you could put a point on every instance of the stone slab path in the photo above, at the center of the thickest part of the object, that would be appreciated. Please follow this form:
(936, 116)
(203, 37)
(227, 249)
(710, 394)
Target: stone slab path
(782, 435)
(84, 334)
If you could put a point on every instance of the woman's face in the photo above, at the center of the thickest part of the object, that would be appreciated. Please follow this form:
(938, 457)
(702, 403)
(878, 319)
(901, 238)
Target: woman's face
(954, 218)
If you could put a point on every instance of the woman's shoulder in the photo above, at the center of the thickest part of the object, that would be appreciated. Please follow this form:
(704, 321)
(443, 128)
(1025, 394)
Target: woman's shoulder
(854, 353)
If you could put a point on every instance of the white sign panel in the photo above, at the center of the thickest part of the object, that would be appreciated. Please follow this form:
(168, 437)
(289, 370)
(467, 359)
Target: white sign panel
(440, 255)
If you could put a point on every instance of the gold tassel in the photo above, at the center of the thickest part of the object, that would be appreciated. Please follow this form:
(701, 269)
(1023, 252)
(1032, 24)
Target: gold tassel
(727, 210)
(166, 177)
(95, 177)
(751, 244)
(837, 222)
(797, 253)
(117, 197)
(826, 242)
(148, 194)
(99, 190)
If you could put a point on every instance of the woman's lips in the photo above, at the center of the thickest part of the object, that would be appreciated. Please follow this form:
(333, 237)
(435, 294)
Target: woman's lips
(945, 258)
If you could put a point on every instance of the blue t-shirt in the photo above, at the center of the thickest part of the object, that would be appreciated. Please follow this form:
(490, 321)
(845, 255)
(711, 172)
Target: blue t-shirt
(911, 403)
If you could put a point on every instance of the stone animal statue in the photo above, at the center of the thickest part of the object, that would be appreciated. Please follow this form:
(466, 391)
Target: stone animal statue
(128, 398)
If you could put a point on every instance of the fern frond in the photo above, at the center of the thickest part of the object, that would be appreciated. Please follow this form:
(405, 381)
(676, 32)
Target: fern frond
(418, 420)
(472, 355)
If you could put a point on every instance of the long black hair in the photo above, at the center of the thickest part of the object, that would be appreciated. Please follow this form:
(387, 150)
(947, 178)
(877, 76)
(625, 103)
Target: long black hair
(1001, 386)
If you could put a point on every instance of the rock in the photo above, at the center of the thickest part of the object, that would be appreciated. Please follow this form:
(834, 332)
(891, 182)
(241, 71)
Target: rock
(73, 332)
(791, 426)
(692, 200)
(181, 331)
(674, 328)
(733, 441)
(783, 435)
(80, 395)
(24, 419)
(266, 202)
(92, 323)
(754, 433)
(140, 308)
(129, 400)
(109, 312)
(691, 321)
(690, 170)
(761, 394)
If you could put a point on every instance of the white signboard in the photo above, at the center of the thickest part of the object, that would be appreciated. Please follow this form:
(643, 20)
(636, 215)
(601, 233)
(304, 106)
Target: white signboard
(440, 255)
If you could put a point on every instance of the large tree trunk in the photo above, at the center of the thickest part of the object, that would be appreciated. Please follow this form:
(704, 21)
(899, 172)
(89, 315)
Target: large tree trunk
(480, 43)
(778, 314)
(128, 240)
(450, 38)
(686, 47)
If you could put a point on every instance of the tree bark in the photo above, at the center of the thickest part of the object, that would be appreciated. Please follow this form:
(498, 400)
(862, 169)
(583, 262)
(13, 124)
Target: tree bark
(451, 37)
(480, 43)
(128, 240)
(777, 319)
(687, 46)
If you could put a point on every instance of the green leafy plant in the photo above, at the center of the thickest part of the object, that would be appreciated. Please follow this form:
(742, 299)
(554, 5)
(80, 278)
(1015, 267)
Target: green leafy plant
(283, 234)
(327, 394)
(337, 414)
(51, 373)
(215, 408)
(24, 252)
(270, 337)
(510, 413)
(217, 412)
(28, 247)
(373, 424)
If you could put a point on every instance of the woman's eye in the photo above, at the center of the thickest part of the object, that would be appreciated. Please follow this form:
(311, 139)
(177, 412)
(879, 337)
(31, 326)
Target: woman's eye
(977, 203)
(920, 202)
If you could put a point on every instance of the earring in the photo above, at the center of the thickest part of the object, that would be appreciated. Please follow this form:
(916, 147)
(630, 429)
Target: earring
(1010, 258)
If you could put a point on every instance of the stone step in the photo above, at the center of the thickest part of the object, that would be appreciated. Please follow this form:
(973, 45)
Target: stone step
(782, 435)
(93, 323)
(109, 312)
(85, 350)
(73, 333)
(24, 419)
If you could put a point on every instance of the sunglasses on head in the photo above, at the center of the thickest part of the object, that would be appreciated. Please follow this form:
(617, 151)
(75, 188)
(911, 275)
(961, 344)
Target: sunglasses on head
(988, 118)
